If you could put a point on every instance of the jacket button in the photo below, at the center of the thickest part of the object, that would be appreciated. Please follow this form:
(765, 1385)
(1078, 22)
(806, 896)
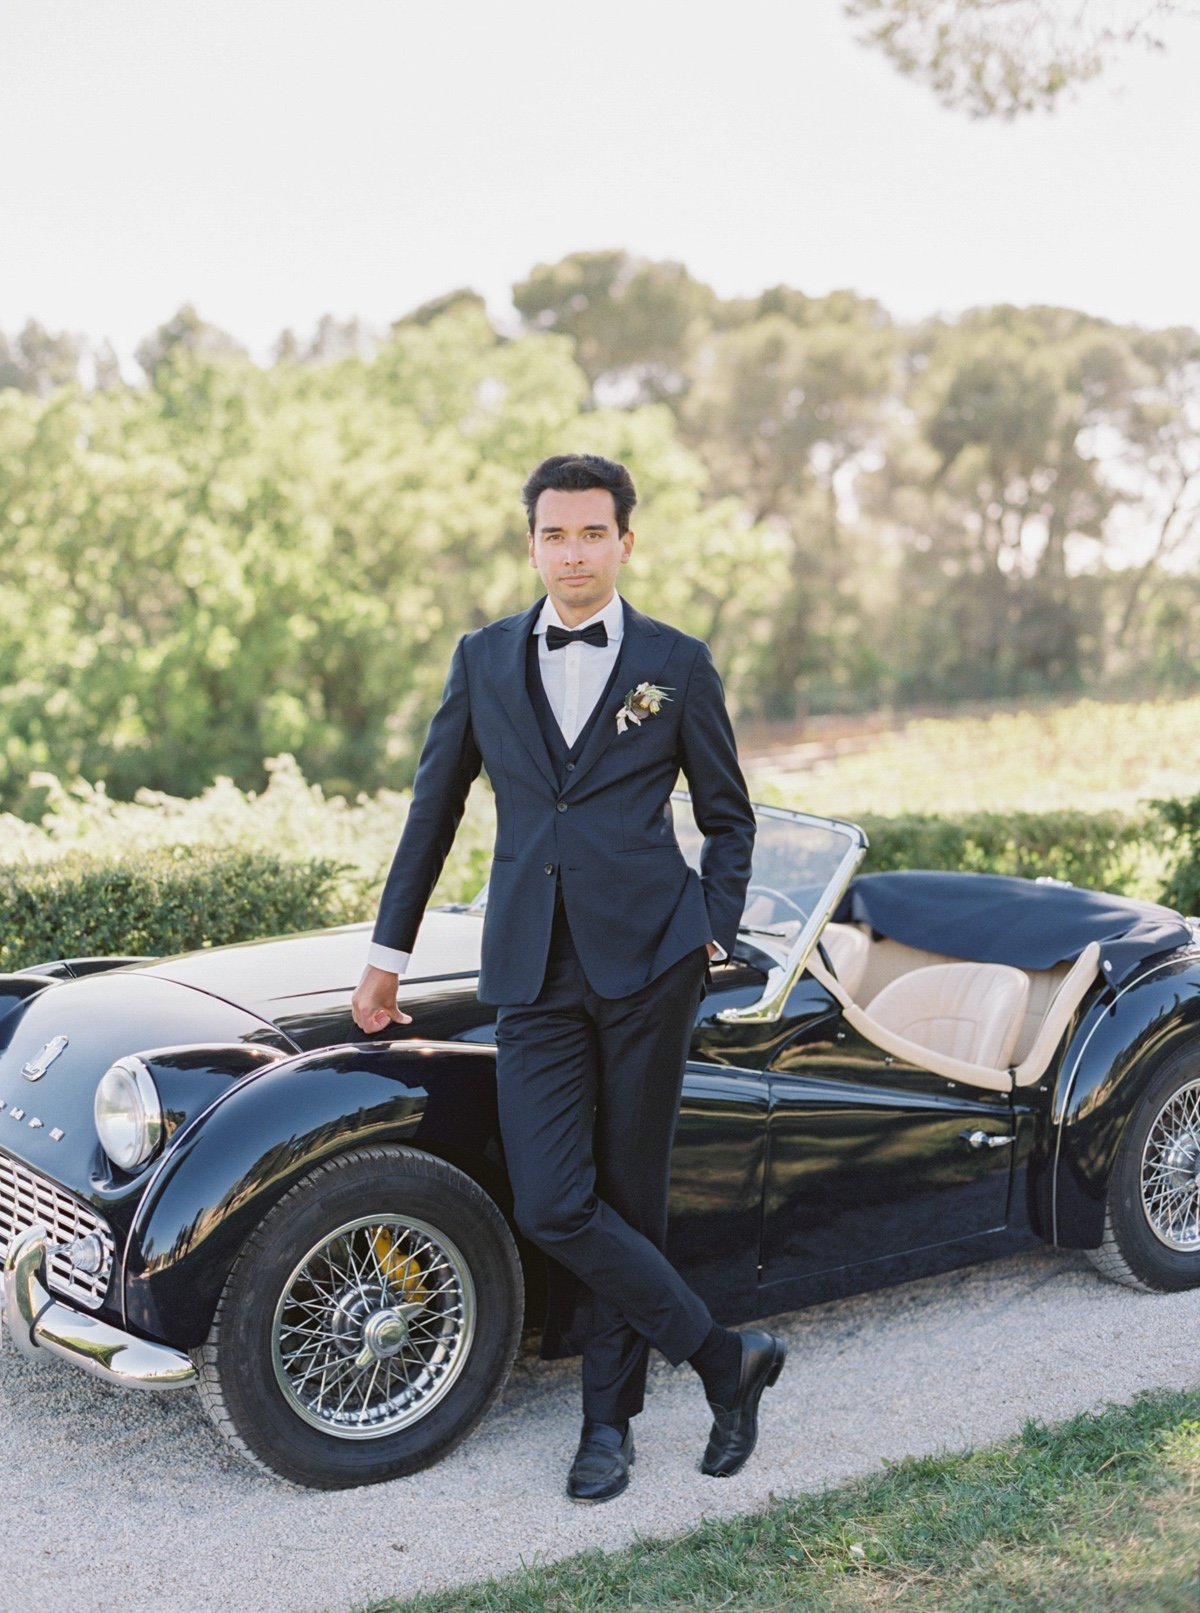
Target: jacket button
(549, 868)
(561, 805)
(570, 767)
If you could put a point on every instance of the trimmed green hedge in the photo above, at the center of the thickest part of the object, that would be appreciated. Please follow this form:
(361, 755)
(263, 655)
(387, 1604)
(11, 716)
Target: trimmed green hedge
(170, 900)
(1106, 850)
(175, 899)
(1181, 819)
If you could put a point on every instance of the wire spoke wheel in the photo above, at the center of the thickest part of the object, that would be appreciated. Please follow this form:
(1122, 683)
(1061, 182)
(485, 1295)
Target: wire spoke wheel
(373, 1326)
(1170, 1171)
(368, 1322)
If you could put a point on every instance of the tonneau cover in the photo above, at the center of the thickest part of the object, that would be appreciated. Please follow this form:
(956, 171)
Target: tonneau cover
(994, 918)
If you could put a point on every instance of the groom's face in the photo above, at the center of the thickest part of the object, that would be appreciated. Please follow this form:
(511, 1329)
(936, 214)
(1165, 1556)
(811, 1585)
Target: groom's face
(577, 551)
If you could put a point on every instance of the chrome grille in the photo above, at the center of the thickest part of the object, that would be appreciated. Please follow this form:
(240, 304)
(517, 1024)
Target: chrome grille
(27, 1199)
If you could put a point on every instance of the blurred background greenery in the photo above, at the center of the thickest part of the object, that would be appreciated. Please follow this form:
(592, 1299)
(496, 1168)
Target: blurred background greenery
(232, 560)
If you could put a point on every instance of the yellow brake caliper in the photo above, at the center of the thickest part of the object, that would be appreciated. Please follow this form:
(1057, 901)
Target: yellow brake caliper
(402, 1271)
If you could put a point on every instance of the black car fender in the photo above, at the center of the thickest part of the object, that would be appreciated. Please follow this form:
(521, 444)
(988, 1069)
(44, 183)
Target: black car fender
(226, 1169)
(1116, 1049)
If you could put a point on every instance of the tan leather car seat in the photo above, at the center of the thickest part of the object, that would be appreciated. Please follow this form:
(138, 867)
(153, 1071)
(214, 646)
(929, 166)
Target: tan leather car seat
(849, 950)
(968, 1011)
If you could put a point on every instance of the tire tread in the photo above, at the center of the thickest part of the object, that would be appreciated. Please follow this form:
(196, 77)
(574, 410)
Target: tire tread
(1128, 1252)
(207, 1355)
(1111, 1263)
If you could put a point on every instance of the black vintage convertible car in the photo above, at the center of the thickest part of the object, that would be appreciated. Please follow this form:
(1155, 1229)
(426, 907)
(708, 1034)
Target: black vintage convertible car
(209, 1177)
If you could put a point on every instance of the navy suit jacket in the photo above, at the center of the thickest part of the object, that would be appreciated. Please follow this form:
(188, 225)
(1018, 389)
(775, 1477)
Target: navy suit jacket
(633, 905)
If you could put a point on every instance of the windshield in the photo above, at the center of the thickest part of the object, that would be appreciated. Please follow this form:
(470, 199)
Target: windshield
(799, 869)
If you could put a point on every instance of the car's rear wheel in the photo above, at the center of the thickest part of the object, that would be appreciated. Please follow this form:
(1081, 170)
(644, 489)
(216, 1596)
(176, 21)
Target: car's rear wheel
(1152, 1219)
(367, 1324)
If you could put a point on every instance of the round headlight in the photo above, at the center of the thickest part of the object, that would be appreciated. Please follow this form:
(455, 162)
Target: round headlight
(129, 1119)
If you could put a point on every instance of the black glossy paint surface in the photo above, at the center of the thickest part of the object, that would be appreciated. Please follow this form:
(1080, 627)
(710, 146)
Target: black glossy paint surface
(716, 1186)
(866, 1157)
(103, 1017)
(1120, 1041)
(263, 1135)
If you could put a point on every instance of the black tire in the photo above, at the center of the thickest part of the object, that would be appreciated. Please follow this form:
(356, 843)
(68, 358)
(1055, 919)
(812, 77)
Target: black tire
(367, 1324)
(1152, 1218)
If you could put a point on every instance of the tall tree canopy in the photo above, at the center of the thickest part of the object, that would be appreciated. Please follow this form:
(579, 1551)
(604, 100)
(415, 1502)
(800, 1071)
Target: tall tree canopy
(229, 560)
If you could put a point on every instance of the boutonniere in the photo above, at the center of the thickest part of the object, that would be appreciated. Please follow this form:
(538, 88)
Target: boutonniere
(647, 700)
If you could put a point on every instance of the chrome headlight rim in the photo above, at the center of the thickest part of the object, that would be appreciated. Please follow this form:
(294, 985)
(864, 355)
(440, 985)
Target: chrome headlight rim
(143, 1112)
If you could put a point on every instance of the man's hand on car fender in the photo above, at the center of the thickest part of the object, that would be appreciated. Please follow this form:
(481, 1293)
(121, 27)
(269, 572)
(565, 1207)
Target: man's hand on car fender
(374, 1001)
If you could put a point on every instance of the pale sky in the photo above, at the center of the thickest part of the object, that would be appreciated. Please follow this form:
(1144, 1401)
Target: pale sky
(274, 160)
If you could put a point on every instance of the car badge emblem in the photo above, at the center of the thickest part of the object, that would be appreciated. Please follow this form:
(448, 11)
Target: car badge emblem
(35, 1068)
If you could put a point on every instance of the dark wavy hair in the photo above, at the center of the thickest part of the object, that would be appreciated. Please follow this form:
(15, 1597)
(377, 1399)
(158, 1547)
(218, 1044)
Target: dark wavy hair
(574, 473)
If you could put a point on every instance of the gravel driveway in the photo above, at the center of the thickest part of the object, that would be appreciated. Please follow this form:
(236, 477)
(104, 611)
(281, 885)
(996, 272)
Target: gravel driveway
(116, 1500)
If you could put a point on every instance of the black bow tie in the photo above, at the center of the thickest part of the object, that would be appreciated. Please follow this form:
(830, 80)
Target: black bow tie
(556, 637)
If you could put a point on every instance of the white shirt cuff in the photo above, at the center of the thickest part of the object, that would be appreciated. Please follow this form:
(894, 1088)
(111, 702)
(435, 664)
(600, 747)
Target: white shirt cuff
(720, 954)
(388, 958)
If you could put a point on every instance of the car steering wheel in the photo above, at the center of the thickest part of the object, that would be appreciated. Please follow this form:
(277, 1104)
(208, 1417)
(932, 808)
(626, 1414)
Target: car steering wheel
(777, 896)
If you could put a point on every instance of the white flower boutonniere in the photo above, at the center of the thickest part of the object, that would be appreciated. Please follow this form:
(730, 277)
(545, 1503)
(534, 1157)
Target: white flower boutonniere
(647, 700)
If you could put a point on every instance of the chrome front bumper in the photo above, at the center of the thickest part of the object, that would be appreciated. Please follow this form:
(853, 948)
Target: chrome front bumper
(40, 1323)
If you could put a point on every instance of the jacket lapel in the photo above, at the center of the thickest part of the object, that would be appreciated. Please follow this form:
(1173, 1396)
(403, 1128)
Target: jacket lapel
(510, 690)
(643, 650)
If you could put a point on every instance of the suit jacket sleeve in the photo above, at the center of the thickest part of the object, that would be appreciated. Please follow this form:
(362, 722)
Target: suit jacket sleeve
(720, 803)
(449, 764)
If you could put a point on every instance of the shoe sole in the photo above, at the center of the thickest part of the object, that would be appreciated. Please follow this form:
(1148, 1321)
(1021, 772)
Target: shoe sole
(778, 1358)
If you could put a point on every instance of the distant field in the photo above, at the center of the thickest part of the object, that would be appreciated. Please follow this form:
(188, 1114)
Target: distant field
(1089, 756)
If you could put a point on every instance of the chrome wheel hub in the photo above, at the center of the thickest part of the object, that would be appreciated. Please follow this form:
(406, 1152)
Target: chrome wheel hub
(373, 1327)
(1171, 1171)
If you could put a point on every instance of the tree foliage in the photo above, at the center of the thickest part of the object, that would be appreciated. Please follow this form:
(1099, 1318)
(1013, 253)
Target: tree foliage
(235, 562)
(1003, 58)
(232, 561)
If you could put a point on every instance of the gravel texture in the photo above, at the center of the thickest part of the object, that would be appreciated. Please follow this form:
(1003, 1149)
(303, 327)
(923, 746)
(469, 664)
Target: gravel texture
(132, 1501)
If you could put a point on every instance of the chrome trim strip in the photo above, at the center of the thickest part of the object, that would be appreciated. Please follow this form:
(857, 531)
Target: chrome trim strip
(38, 1322)
(782, 981)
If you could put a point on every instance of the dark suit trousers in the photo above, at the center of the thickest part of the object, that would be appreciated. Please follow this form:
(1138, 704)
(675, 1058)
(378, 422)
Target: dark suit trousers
(589, 1098)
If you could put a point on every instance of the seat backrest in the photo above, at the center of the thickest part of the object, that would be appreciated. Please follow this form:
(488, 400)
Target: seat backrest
(968, 1011)
(849, 950)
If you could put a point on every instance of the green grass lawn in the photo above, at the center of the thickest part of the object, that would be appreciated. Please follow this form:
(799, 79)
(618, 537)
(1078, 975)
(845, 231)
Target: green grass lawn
(1098, 1515)
(1086, 756)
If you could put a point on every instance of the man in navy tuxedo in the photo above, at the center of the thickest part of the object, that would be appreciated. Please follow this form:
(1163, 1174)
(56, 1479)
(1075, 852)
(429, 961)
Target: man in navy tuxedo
(596, 939)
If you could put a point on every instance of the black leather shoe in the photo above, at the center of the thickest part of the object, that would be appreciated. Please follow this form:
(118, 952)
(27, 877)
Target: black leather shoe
(735, 1428)
(602, 1462)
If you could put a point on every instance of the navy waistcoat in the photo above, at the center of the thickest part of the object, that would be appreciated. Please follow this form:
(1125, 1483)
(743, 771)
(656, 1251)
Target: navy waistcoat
(562, 755)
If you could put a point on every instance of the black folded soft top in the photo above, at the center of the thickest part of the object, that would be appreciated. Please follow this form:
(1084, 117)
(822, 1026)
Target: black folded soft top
(993, 918)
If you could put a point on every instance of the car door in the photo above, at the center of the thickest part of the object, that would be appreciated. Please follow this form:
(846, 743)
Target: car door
(869, 1158)
(717, 1173)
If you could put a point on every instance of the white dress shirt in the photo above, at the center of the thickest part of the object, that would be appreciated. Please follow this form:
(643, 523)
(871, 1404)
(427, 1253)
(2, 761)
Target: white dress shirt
(574, 678)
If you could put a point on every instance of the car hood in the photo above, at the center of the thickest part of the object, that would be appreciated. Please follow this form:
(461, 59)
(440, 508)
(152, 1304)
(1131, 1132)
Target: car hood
(263, 976)
(47, 1122)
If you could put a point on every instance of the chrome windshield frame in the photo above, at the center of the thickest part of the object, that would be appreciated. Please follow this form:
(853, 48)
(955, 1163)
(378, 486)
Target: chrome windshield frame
(782, 978)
